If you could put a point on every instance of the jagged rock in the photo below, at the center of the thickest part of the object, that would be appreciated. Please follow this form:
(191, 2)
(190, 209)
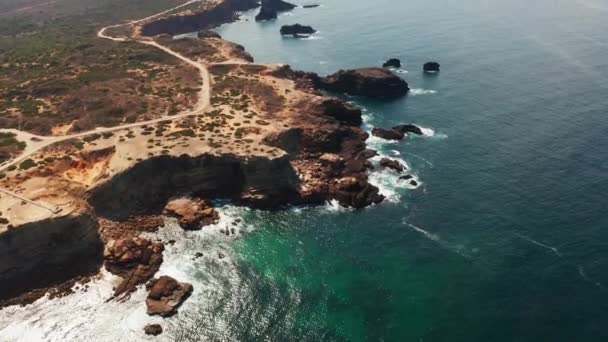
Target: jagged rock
(431, 67)
(153, 329)
(166, 295)
(392, 164)
(414, 183)
(208, 34)
(297, 30)
(406, 177)
(342, 111)
(192, 214)
(392, 63)
(136, 260)
(408, 129)
(367, 154)
(388, 134)
(270, 8)
(371, 82)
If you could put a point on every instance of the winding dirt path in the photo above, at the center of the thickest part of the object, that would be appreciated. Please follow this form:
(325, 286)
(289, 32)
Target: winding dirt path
(36, 143)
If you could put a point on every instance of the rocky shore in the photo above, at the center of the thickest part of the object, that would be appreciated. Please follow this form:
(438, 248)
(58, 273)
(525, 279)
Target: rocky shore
(323, 156)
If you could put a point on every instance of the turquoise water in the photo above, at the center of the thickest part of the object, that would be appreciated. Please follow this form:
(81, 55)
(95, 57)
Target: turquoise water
(506, 238)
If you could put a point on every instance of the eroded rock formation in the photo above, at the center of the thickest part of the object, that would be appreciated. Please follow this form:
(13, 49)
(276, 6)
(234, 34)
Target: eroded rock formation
(192, 214)
(297, 30)
(166, 295)
(370, 82)
(388, 134)
(392, 63)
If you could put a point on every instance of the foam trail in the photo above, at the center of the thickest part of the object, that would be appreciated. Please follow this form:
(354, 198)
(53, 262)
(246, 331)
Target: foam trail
(421, 158)
(551, 248)
(583, 275)
(427, 234)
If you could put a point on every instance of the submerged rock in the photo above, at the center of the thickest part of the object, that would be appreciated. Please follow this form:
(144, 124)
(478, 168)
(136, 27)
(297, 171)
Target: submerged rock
(153, 329)
(409, 129)
(297, 30)
(392, 63)
(371, 82)
(388, 134)
(431, 67)
(166, 295)
(392, 164)
(311, 6)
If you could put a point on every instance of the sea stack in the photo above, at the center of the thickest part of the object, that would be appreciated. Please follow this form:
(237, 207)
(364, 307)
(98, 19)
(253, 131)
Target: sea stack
(297, 30)
(370, 82)
(392, 63)
(270, 9)
(431, 67)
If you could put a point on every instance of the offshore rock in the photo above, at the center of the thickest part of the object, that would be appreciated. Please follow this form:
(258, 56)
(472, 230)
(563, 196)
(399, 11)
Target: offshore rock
(392, 63)
(409, 129)
(166, 295)
(153, 329)
(270, 8)
(297, 30)
(388, 134)
(431, 67)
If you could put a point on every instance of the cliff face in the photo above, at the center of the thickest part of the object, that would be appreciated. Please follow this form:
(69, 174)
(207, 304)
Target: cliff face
(45, 254)
(220, 14)
(145, 189)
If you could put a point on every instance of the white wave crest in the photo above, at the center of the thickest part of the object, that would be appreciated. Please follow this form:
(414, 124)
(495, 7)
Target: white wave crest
(420, 91)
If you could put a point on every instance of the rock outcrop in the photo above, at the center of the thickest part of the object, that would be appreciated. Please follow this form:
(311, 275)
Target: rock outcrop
(136, 260)
(388, 134)
(431, 67)
(370, 82)
(392, 63)
(153, 329)
(204, 34)
(342, 111)
(192, 214)
(224, 12)
(409, 129)
(50, 255)
(166, 295)
(270, 9)
(392, 164)
(297, 30)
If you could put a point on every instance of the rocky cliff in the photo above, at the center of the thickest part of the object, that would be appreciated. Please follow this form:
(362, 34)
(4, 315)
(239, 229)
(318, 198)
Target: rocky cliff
(46, 254)
(222, 13)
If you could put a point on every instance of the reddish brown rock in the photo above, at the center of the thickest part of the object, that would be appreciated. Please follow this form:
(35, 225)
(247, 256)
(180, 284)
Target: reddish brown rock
(392, 164)
(136, 260)
(388, 134)
(166, 295)
(153, 329)
(192, 214)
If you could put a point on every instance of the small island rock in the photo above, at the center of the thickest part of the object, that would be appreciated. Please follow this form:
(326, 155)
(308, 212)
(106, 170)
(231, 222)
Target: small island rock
(388, 134)
(297, 30)
(153, 329)
(431, 67)
(271, 8)
(409, 129)
(392, 63)
(166, 295)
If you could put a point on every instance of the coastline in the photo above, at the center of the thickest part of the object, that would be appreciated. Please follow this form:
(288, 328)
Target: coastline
(354, 146)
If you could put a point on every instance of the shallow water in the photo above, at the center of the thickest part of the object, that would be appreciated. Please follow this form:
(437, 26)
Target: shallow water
(504, 240)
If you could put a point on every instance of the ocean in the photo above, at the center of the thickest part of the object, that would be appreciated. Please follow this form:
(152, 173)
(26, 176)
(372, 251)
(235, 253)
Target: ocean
(504, 240)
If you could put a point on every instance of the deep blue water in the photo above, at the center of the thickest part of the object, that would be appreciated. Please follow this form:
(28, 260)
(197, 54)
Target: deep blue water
(506, 238)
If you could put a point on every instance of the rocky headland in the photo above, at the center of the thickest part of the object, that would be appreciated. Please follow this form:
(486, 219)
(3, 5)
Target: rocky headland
(267, 139)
